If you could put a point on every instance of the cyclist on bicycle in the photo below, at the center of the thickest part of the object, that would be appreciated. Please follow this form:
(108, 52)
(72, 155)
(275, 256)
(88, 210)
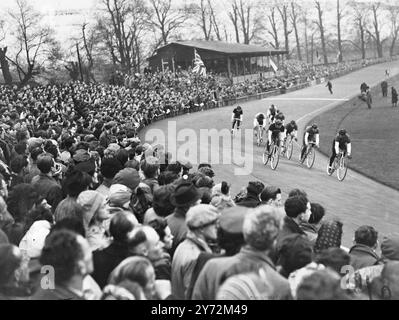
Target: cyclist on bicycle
(236, 118)
(342, 142)
(260, 123)
(271, 113)
(275, 134)
(311, 135)
(280, 116)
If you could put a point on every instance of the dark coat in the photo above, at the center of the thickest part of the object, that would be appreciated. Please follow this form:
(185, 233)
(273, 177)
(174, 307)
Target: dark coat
(362, 256)
(289, 227)
(49, 189)
(250, 201)
(59, 293)
(106, 260)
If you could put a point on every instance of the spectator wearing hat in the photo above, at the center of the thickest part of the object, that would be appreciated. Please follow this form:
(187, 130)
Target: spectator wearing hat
(106, 260)
(45, 185)
(252, 199)
(109, 168)
(185, 196)
(329, 236)
(70, 256)
(11, 259)
(230, 240)
(271, 196)
(261, 227)
(311, 228)
(297, 210)
(201, 222)
(295, 253)
(363, 253)
(95, 214)
(150, 169)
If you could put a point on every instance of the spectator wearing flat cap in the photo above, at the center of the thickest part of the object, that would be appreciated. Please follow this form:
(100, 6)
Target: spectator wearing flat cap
(45, 185)
(230, 239)
(201, 221)
(185, 196)
(252, 199)
(261, 227)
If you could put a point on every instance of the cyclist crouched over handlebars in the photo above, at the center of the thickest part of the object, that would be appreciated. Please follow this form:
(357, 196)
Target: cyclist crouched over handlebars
(342, 142)
(276, 134)
(311, 135)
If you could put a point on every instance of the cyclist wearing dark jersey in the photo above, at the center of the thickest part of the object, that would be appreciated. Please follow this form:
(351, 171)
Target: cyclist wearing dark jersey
(311, 135)
(280, 116)
(236, 118)
(342, 142)
(291, 129)
(259, 122)
(275, 134)
(271, 113)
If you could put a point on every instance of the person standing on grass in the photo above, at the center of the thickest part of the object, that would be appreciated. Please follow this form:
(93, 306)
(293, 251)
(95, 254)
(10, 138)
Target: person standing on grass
(384, 88)
(369, 99)
(394, 98)
(329, 86)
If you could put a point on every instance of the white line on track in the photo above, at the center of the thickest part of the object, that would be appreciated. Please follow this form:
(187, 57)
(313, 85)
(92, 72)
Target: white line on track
(305, 99)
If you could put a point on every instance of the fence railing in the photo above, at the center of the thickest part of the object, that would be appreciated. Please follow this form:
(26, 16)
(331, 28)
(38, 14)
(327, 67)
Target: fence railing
(261, 95)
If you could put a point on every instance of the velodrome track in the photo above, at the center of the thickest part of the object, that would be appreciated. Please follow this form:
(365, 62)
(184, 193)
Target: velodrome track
(356, 201)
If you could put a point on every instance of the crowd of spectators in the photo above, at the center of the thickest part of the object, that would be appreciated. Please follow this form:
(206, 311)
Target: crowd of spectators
(109, 217)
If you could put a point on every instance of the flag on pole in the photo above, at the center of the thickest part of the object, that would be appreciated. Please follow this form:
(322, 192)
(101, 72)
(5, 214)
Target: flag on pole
(199, 66)
(275, 68)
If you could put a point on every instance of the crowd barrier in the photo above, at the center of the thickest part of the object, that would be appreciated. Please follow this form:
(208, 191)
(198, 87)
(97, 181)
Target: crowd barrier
(261, 95)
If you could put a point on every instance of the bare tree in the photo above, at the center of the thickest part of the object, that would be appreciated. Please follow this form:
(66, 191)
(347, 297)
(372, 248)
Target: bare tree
(166, 19)
(233, 15)
(273, 30)
(89, 41)
(393, 17)
(376, 25)
(304, 19)
(205, 19)
(294, 20)
(5, 67)
(360, 13)
(215, 23)
(122, 27)
(34, 41)
(339, 19)
(320, 25)
(283, 10)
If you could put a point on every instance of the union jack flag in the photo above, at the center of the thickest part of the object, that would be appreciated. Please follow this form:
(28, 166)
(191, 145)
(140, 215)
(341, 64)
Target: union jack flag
(199, 66)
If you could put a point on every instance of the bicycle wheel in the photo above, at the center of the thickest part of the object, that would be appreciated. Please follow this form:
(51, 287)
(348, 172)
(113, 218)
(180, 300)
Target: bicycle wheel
(275, 158)
(342, 169)
(310, 158)
(265, 156)
(289, 149)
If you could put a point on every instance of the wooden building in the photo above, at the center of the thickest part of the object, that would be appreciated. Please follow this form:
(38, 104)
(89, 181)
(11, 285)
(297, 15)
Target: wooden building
(235, 61)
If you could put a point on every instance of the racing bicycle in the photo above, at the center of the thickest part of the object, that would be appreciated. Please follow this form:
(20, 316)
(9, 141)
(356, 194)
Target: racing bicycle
(289, 146)
(340, 165)
(273, 156)
(310, 155)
